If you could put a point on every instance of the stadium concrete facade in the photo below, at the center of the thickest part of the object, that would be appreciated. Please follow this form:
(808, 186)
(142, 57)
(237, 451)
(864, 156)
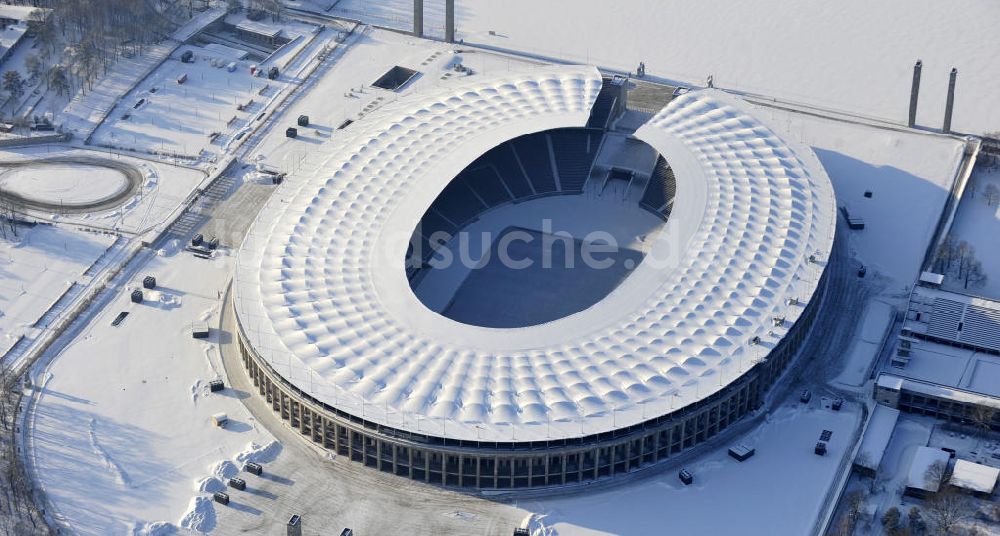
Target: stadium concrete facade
(332, 336)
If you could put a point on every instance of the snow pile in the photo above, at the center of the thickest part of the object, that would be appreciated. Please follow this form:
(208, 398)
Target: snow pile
(210, 484)
(259, 453)
(225, 469)
(158, 528)
(200, 516)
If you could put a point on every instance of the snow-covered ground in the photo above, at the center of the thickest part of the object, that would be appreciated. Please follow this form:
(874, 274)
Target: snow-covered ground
(122, 432)
(849, 55)
(87, 109)
(36, 270)
(185, 118)
(978, 222)
(62, 183)
(727, 496)
(164, 188)
(822, 54)
(858, 362)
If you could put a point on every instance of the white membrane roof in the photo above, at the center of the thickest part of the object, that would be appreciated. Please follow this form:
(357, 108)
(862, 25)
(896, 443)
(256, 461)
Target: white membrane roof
(322, 295)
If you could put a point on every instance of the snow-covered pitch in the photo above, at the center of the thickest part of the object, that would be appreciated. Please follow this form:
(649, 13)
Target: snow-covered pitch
(322, 296)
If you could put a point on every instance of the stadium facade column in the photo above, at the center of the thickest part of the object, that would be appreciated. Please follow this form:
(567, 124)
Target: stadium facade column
(449, 21)
(418, 18)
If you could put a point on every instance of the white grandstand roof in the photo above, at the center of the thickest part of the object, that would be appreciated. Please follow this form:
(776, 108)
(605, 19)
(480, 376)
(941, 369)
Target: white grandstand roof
(322, 294)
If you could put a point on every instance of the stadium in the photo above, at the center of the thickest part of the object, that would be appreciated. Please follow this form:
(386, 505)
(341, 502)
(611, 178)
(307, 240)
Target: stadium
(366, 323)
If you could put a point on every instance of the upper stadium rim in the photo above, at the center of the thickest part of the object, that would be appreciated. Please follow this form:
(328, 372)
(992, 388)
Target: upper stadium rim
(322, 300)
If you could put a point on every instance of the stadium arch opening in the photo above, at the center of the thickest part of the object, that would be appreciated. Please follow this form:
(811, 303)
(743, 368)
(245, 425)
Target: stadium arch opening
(336, 341)
(540, 227)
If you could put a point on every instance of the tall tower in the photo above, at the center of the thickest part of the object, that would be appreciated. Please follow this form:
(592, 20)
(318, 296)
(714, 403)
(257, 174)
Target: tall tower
(418, 18)
(914, 91)
(950, 104)
(449, 21)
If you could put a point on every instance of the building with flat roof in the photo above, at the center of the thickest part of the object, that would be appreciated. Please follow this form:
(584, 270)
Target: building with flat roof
(976, 478)
(927, 470)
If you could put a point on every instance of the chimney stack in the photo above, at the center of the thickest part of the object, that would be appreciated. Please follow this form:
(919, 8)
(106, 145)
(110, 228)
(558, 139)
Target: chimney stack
(914, 92)
(418, 18)
(950, 105)
(449, 21)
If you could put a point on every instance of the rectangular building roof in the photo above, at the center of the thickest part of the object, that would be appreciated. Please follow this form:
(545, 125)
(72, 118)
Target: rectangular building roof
(974, 476)
(918, 476)
(20, 13)
(877, 435)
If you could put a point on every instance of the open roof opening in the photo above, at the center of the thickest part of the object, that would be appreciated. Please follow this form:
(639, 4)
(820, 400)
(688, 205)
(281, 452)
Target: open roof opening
(395, 78)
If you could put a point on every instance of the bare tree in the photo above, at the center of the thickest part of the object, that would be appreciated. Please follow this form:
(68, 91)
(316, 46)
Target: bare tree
(992, 194)
(944, 255)
(946, 510)
(8, 212)
(974, 274)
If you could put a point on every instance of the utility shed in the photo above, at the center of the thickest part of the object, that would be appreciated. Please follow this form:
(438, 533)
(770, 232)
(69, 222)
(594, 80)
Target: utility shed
(876, 439)
(922, 480)
(977, 478)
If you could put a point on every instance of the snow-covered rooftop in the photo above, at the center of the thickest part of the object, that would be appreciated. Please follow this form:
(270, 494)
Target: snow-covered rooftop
(961, 318)
(877, 435)
(974, 476)
(922, 474)
(322, 294)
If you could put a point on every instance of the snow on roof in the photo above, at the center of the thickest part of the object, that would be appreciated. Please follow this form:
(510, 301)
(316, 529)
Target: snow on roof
(259, 28)
(974, 476)
(20, 13)
(321, 290)
(920, 475)
(931, 278)
(938, 391)
(10, 35)
(226, 51)
(955, 317)
(889, 382)
(877, 435)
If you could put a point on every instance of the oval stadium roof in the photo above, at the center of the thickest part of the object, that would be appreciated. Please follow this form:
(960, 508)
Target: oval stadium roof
(321, 292)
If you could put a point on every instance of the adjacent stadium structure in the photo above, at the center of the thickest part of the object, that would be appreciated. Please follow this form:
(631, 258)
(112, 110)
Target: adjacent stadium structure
(687, 343)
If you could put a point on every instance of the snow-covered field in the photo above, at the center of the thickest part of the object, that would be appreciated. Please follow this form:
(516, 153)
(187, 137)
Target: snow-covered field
(850, 55)
(37, 270)
(186, 118)
(86, 109)
(58, 183)
(160, 195)
(122, 432)
(727, 496)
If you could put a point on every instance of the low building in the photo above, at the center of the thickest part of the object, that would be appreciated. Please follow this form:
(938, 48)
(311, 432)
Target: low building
(878, 432)
(946, 363)
(10, 15)
(950, 404)
(976, 478)
(927, 470)
(14, 26)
